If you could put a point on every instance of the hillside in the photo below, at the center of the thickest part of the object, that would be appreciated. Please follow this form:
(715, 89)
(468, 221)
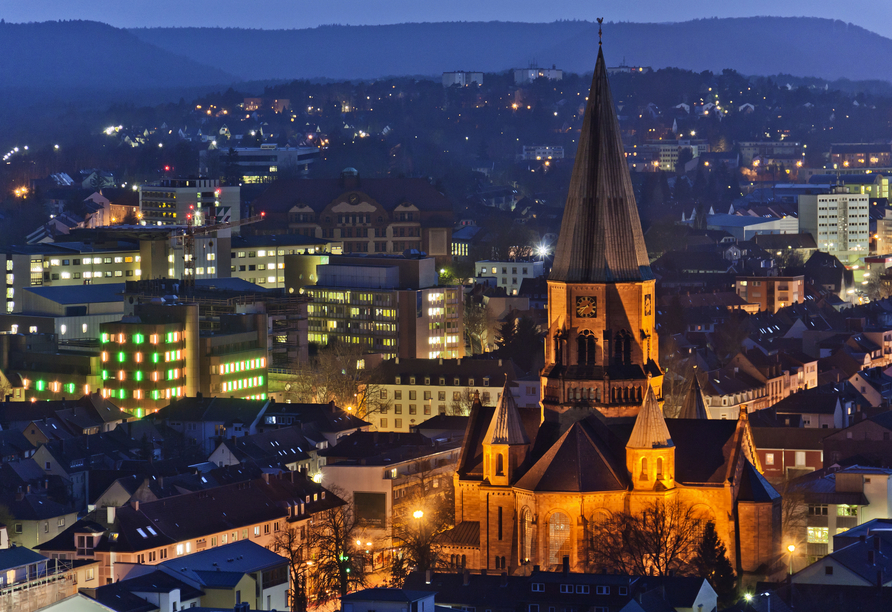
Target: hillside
(87, 55)
(756, 45)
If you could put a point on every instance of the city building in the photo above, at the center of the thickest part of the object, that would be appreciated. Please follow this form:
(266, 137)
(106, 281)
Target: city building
(462, 79)
(771, 153)
(381, 215)
(860, 155)
(529, 481)
(410, 391)
(71, 313)
(542, 152)
(263, 164)
(153, 532)
(747, 227)
(189, 201)
(872, 184)
(509, 275)
(30, 581)
(840, 224)
(261, 259)
(524, 76)
(385, 304)
(666, 152)
(160, 353)
(771, 293)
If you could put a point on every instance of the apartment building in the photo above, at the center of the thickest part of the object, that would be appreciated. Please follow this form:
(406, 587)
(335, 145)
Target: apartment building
(528, 75)
(508, 275)
(771, 293)
(263, 164)
(462, 79)
(151, 533)
(189, 201)
(840, 224)
(410, 391)
(261, 259)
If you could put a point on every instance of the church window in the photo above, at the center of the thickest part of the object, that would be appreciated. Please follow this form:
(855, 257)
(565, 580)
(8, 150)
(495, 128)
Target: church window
(643, 468)
(659, 467)
(585, 348)
(598, 394)
(500, 519)
(558, 538)
(526, 534)
(500, 471)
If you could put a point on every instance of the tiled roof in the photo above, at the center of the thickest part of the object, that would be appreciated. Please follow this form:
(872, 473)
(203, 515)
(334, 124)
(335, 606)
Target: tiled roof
(505, 426)
(601, 238)
(650, 427)
(466, 533)
(693, 406)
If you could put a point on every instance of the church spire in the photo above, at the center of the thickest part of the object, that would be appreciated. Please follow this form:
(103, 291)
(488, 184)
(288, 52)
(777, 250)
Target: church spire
(601, 239)
(650, 429)
(506, 427)
(693, 406)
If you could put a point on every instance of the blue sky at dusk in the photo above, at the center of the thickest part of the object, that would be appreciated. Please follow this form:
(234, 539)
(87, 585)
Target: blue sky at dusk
(875, 15)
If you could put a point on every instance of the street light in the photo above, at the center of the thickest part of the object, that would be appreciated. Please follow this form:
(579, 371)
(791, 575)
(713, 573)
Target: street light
(791, 548)
(418, 514)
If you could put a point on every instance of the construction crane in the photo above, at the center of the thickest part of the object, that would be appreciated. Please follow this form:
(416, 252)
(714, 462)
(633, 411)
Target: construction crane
(192, 231)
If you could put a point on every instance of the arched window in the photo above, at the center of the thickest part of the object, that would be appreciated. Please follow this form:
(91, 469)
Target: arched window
(585, 348)
(643, 468)
(558, 538)
(659, 467)
(526, 535)
(500, 465)
(598, 394)
(558, 349)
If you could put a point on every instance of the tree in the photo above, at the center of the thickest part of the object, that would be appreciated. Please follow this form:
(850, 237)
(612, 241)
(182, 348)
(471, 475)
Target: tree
(711, 563)
(338, 565)
(338, 374)
(521, 341)
(293, 544)
(420, 516)
(878, 287)
(461, 406)
(730, 334)
(477, 323)
(231, 169)
(660, 539)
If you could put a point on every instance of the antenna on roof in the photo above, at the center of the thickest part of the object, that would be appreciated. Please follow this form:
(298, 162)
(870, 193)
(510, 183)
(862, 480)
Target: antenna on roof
(600, 21)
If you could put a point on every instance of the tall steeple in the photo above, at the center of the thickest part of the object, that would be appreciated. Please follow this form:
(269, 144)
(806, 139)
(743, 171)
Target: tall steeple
(693, 406)
(601, 239)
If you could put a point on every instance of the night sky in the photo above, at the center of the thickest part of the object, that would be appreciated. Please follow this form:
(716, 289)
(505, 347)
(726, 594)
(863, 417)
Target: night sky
(875, 15)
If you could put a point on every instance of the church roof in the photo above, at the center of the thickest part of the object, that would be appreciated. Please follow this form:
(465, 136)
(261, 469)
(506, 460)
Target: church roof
(693, 406)
(601, 239)
(754, 487)
(578, 462)
(650, 429)
(505, 426)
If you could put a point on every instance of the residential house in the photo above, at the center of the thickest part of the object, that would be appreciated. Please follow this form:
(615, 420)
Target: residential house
(789, 452)
(206, 421)
(34, 518)
(29, 581)
(863, 563)
(868, 440)
(285, 449)
(815, 408)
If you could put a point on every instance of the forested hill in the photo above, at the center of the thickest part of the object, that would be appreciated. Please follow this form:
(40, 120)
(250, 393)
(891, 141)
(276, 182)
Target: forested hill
(798, 46)
(87, 55)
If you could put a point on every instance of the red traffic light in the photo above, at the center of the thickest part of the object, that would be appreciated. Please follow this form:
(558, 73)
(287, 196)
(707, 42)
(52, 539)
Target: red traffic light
(263, 214)
(167, 168)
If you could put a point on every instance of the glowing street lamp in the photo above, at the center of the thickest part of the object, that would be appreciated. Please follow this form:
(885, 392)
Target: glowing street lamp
(791, 548)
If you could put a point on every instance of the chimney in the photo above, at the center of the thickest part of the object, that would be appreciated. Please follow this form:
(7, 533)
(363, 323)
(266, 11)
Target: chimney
(136, 505)
(110, 514)
(500, 363)
(466, 578)
(396, 360)
(266, 478)
(566, 564)
(441, 361)
(427, 576)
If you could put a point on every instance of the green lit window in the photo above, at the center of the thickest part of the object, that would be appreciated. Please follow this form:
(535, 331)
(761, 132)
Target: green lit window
(121, 357)
(40, 385)
(138, 338)
(155, 357)
(104, 374)
(104, 338)
(138, 375)
(261, 379)
(170, 375)
(120, 394)
(69, 387)
(155, 394)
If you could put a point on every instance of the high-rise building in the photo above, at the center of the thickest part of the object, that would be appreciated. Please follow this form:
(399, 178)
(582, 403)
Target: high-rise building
(839, 222)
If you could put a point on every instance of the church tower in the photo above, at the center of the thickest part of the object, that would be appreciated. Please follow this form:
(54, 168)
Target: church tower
(505, 445)
(601, 347)
(650, 452)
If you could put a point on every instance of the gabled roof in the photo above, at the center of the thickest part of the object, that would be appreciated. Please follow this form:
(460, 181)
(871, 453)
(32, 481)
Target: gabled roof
(601, 239)
(754, 487)
(579, 462)
(225, 410)
(505, 426)
(650, 427)
(16, 556)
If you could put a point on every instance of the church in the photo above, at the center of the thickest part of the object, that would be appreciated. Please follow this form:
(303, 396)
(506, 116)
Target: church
(530, 482)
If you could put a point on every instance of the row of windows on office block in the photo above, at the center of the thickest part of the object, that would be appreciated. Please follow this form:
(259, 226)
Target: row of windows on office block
(157, 376)
(121, 357)
(141, 394)
(244, 383)
(139, 338)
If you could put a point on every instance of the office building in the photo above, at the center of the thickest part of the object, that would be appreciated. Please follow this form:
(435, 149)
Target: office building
(508, 275)
(523, 76)
(188, 201)
(263, 164)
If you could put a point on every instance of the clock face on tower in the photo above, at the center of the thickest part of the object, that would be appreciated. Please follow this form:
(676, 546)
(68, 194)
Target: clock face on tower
(586, 307)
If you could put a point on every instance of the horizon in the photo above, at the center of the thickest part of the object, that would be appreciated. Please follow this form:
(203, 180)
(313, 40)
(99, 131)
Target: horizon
(280, 14)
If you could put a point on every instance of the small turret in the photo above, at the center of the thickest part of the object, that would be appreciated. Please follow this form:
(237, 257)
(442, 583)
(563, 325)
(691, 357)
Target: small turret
(650, 452)
(505, 445)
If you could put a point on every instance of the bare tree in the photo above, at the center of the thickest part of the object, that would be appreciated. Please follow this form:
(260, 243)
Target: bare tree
(794, 513)
(425, 511)
(477, 326)
(338, 374)
(664, 537)
(461, 405)
(338, 562)
(293, 544)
